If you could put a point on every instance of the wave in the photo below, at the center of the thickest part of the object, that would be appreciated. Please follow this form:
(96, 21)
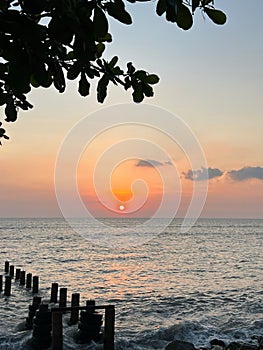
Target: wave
(198, 333)
(194, 332)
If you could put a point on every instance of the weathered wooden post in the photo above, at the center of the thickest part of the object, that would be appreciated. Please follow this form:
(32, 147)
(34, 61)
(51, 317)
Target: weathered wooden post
(7, 291)
(74, 317)
(42, 328)
(54, 293)
(57, 331)
(89, 325)
(28, 280)
(6, 267)
(1, 283)
(12, 270)
(35, 284)
(32, 311)
(18, 274)
(22, 278)
(109, 328)
(90, 302)
(63, 297)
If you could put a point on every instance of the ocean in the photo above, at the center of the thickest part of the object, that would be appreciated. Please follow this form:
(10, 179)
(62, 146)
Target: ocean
(195, 286)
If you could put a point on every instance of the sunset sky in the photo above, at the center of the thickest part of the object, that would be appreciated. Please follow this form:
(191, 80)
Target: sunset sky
(211, 78)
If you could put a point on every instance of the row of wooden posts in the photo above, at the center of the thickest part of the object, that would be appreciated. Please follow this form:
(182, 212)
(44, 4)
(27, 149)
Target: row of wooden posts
(52, 311)
(58, 307)
(24, 279)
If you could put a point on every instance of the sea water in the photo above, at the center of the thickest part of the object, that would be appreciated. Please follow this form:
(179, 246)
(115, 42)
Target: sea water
(195, 286)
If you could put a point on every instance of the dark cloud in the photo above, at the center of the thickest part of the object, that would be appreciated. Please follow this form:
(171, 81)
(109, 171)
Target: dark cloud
(151, 163)
(248, 172)
(203, 174)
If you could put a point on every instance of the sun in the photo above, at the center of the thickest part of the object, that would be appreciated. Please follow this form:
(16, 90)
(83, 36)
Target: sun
(121, 207)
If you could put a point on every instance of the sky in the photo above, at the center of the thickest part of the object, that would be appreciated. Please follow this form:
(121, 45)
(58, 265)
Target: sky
(210, 82)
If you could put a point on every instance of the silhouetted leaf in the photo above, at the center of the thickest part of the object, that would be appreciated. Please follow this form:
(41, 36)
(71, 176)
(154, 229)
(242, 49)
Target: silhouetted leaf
(107, 38)
(137, 93)
(217, 16)
(152, 79)
(100, 49)
(74, 71)
(3, 133)
(84, 85)
(161, 7)
(59, 79)
(102, 88)
(184, 17)
(117, 71)
(130, 67)
(113, 61)
(24, 105)
(171, 14)
(40, 74)
(3, 98)
(92, 72)
(33, 81)
(70, 56)
(100, 23)
(127, 83)
(195, 4)
(10, 111)
(117, 10)
(147, 90)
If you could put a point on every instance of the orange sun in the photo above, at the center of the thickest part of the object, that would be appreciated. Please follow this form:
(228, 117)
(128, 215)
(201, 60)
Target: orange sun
(122, 195)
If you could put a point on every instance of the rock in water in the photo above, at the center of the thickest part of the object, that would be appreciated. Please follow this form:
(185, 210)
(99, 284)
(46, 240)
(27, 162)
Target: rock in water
(180, 345)
(217, 342)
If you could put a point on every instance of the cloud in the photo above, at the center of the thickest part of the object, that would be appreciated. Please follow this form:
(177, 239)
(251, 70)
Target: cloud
(246, 173)
(203, 174)
(151, 163)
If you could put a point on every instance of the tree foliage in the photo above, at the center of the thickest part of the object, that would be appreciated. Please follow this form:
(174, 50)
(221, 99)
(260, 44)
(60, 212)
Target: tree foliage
(46, 42)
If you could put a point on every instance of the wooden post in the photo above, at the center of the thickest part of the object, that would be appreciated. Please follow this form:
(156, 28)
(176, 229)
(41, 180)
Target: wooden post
(12, 270)
(41, 335)
(54, 293)
(32, 311)
(1, 283)
(62, 297)
(35, 284)
(74, 317)
(18, 274)
(29, 280)
(90, 302)
(22, 278)
(6, 267)
(8, 280)
(109, 328)
(57, 331)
